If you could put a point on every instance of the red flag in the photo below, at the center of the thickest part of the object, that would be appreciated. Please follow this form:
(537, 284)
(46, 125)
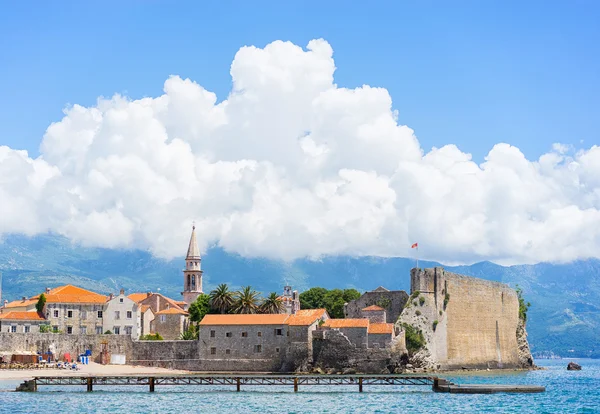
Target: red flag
(414, 245)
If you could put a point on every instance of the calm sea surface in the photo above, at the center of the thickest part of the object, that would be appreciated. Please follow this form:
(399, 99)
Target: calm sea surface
(567, 391)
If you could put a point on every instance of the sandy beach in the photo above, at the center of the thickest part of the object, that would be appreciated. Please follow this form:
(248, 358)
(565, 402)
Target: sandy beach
(91, 369)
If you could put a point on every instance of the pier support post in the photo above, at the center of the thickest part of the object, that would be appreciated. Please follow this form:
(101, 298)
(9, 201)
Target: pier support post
(295, 384)
(238, 384)
(151, 382)
(360, 387)
(89, 384)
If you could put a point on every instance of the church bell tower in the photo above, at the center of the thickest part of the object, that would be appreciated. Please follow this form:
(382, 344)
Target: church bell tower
(192, 274)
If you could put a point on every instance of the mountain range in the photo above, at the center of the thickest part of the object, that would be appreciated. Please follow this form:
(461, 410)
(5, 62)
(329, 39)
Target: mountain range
(564, 317)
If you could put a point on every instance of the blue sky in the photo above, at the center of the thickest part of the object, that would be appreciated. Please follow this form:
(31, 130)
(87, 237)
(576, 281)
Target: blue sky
(472, 73)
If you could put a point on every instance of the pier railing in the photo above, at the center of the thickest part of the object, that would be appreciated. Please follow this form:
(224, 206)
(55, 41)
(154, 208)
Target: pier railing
(359, 381)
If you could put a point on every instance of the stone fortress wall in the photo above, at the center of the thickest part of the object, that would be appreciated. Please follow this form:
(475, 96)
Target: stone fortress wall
(476, 319)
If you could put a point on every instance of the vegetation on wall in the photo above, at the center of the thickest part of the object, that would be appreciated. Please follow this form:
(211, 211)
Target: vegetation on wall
(523, 306)
(45, 328)
(446, 300)
(192, 333)
(151, 337)
(414, 338)
(333, 300)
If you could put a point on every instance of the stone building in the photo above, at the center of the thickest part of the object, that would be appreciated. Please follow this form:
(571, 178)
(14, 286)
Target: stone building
(169, 323)
(374, 313)
(393, 301)
(21, 322)
(356, 330)
(22, 305)
(243, 336)
(73, 310)
(172, 321)
(121, 316)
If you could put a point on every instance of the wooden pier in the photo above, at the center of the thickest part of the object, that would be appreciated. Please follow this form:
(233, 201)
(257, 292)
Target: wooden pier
(297, 381)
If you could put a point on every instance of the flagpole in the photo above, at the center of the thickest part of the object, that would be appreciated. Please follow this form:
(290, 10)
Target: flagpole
(417, 258)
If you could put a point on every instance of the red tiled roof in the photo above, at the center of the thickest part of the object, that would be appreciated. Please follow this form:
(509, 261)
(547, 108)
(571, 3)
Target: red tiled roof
(373, 308)
(245, 319)
(137, 297)
(20, 303)
(347, 323)
(72, 294)
(381, 328)
(172, 311)
(306, 317)
(23, 316)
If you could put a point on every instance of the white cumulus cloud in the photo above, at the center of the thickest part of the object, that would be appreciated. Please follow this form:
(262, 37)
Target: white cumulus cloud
(291, 165)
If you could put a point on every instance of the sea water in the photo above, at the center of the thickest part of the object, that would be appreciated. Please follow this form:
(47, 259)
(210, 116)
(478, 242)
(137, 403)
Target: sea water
(566, 391)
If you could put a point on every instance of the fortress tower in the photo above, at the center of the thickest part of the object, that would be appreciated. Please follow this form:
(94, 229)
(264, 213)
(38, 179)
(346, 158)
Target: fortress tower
(192, 274)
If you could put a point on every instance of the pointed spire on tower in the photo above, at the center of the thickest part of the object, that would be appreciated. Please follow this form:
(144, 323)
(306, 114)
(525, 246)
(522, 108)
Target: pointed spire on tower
(193, 251)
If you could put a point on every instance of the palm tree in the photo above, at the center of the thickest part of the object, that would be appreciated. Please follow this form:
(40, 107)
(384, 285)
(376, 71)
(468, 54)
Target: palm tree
(221, 299)
(246, 300)
(272, 304)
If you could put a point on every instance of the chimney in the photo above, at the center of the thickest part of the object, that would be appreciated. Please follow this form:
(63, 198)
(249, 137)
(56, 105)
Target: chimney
(148, 294)
(47, 290)
(24, 298)
(5, 302)
(111, 296)
(122, 292)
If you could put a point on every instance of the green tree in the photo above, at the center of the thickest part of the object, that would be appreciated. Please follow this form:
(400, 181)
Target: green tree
(221, 299)
(272, 304)
(246, 300)
(39, 306)
(351, 294)
(523, 306)
(199, 308)
(333, 300)
(313, 298)
(190, 334)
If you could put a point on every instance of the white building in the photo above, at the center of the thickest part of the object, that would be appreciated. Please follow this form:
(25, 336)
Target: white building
(122, 316)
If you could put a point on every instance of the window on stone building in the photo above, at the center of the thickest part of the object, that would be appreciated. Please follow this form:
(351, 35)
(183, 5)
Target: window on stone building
(228, 351)
(13, 328)
(276, 349)
(26, 329)
(98, 330)
(83, 330)
(117, 330)
(244, 334)
(258, 348)
(163, 318)
(129, 314)
(213, 351)
(117, 315)
(212, 334)
(83, 315)
(278, 332)
(55, 313)
(228, 334)
(120, 300)
(55, 329)
(69, 314)
(100, 315)
(69, 330)
(128, 330)
(259, 333)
